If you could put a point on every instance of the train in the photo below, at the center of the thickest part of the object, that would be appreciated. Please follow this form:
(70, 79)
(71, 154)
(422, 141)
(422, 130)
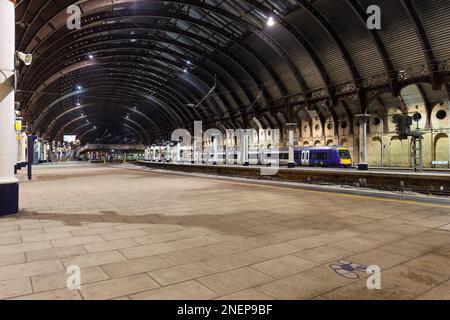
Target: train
(331, 156)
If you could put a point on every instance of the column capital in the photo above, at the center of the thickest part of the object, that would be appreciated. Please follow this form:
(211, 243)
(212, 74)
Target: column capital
(363, 118)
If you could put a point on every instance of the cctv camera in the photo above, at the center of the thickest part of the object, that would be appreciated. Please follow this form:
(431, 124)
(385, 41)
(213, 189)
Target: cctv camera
(27, 58)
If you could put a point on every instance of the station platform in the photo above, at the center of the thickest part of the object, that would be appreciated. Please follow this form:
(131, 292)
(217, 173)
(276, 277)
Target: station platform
(152, 234)
(426, 182)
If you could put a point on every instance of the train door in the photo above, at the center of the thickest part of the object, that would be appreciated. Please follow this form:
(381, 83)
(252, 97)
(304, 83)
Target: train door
(305, 158)
(307, 155)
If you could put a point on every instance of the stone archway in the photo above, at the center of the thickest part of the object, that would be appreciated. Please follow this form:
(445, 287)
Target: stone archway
(376, 152)
(441, 146)
(399, 152)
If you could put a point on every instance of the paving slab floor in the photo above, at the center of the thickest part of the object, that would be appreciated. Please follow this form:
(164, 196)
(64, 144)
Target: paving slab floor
(155, 235)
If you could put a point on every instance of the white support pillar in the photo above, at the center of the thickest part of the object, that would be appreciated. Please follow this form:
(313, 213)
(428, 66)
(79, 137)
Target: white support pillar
(291, 131)
(37, 151)
(245, 147)
(363, 120)
(23, 149)
(168, 155)
(46, 149)
(215, 150)
(9, 186)
(178, 157)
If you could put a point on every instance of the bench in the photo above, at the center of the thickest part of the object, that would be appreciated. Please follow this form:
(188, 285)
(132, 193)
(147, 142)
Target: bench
(439, 163)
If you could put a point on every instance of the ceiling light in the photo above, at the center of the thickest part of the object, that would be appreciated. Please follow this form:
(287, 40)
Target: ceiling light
(79, 87)
(91, 56)
(271, 22)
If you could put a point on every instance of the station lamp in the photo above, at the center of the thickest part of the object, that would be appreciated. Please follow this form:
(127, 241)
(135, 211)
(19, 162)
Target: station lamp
(270, 22)
(26, 58)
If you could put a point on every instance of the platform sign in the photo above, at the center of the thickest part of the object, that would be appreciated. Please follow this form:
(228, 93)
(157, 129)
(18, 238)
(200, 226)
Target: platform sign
(18, 125)
(69, 138)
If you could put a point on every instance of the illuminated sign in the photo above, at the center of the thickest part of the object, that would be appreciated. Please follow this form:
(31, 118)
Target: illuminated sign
(18, 125)
(69, 138)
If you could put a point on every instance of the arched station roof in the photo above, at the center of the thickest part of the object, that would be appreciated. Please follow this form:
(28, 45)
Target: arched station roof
(139, 67)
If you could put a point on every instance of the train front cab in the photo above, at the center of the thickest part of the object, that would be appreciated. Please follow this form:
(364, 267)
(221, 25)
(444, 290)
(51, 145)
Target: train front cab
(345, 159)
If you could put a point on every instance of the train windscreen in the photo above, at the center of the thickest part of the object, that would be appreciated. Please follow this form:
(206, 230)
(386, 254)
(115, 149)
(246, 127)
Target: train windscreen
(344, 154)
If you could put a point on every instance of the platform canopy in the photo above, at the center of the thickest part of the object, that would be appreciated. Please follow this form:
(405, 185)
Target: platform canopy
(139, 68)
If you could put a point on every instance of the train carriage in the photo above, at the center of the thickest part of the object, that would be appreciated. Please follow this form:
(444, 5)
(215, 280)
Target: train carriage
(336, 156)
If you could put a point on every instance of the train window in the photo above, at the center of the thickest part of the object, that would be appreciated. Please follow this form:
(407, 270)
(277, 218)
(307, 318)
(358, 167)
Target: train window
(321, 156)
(344, 154)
